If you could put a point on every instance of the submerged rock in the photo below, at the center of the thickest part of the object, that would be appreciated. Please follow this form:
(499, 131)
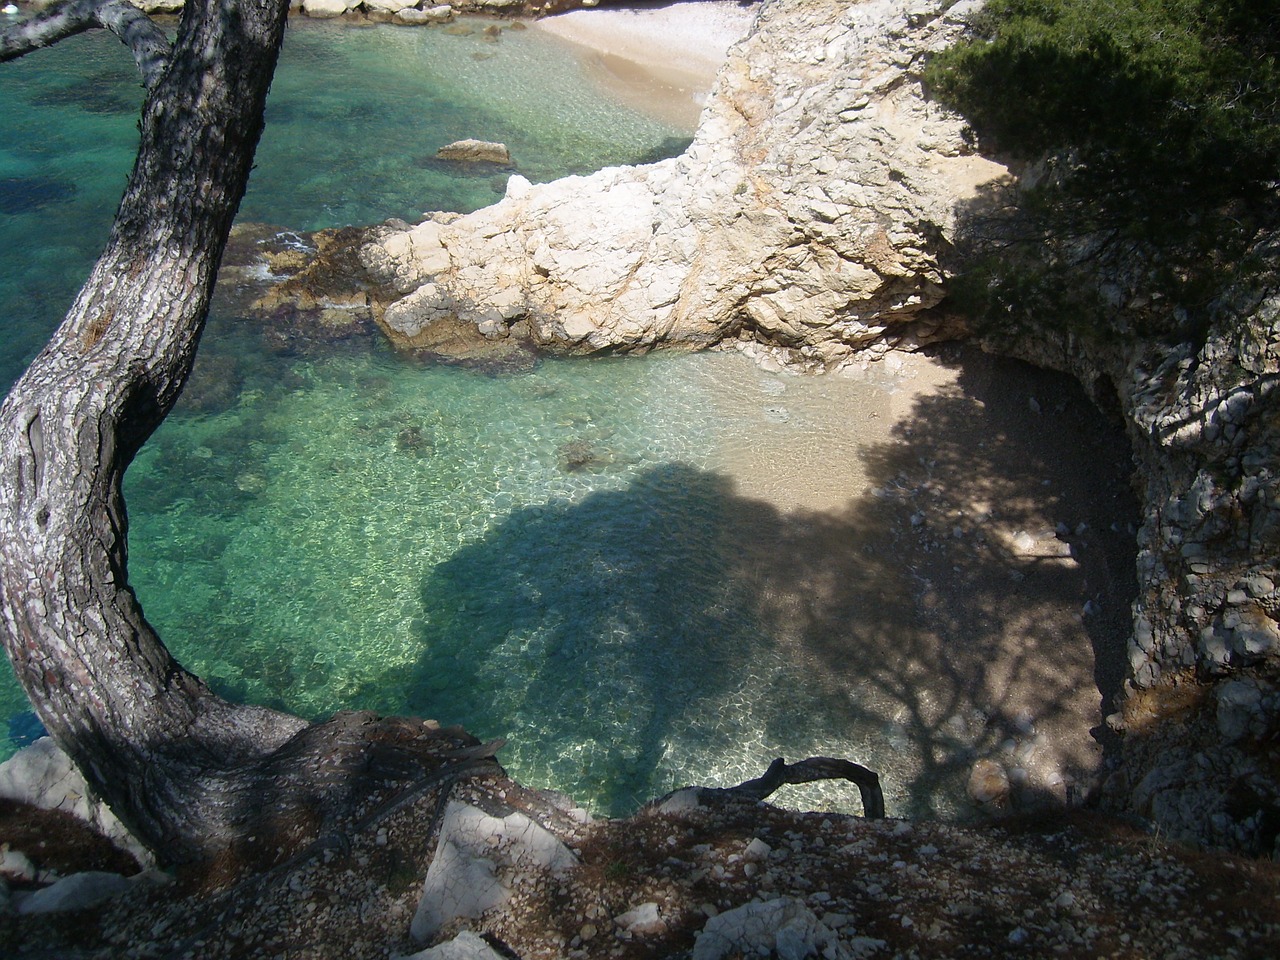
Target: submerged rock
(29, 194)
(475, 151)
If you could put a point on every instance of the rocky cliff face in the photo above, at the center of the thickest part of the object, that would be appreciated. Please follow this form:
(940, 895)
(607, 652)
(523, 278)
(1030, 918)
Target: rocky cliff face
(812, 212)
(1201, 714)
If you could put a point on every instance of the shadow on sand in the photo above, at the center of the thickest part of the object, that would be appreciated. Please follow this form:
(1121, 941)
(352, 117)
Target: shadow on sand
(635, 636)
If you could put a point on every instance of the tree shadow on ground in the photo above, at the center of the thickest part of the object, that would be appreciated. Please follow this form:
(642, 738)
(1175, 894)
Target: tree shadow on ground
(932, 621)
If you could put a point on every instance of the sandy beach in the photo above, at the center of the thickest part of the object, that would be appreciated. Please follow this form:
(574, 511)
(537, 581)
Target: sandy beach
(658, 58)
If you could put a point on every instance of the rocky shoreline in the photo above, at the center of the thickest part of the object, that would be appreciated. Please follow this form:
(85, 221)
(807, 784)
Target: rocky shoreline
(404, 12)
(699, 874)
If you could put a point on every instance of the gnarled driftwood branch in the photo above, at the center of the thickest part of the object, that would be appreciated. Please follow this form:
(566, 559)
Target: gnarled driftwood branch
(817, 768)
(135, 29)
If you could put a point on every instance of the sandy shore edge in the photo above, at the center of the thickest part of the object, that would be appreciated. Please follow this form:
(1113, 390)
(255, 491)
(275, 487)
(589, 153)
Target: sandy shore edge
(659, 59)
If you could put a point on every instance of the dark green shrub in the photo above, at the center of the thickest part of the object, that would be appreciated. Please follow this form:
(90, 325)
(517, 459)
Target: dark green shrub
(1160, 122)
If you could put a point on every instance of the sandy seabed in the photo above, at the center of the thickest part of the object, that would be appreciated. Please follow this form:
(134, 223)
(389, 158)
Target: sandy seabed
(960, 529)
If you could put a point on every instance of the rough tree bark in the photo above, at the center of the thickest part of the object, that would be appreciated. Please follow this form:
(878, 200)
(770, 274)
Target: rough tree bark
(101, 681)
(147, 42)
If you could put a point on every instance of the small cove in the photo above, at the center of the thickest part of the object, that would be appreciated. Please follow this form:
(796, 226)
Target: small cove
(643, 573)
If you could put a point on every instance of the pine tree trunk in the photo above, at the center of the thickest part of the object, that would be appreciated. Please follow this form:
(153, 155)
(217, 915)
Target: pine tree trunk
(148, 735)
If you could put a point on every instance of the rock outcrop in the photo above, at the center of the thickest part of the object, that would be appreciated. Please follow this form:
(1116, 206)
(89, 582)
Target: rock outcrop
(811, 221)
(43, 775)
(811, 213)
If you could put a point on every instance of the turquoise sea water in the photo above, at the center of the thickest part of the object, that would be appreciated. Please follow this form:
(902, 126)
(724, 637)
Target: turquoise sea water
(553, 556)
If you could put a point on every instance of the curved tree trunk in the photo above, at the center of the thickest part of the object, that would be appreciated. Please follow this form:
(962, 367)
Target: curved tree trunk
(194, 776)
(101, 681)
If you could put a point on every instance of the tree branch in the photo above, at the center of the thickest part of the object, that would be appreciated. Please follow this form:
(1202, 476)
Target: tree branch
(135, 29)
(813, 769)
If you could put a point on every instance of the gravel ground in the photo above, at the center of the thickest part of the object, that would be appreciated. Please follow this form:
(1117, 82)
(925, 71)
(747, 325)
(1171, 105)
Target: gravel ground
(1044, 884)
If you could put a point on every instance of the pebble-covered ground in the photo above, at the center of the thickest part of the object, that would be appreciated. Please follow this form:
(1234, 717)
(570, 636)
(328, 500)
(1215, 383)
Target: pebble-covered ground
(1049, 884)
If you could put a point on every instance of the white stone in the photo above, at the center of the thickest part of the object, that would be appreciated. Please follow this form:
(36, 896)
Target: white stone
(518, 187)
(479, 860)
(16, 866)
(324, 9)
(158, 6)
(465, 946)
(42, 775)
(643, 920)
(80, 891)
(784, 927)
(681, 802)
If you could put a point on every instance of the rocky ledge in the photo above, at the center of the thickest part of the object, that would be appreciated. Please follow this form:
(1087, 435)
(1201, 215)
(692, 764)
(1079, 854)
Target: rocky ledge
(810, 213)
(476, 867)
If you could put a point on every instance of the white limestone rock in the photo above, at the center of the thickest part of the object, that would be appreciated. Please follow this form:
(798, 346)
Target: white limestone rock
(42, 775)
(79, 891)
(442, 13)
(465, 946)
(325, 9)
(153, 7)
(479, 860)
(642, 921)
(16, 866)
(808, 209)
(784, 928)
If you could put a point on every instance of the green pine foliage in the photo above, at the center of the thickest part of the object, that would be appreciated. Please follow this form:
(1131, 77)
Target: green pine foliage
(1158, 126)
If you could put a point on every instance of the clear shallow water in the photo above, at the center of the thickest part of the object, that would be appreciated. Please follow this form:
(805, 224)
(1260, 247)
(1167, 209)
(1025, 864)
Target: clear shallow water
(557, 557)
(353, 123)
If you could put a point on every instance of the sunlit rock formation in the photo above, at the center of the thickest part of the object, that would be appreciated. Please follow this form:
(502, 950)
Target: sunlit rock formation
(812, 212)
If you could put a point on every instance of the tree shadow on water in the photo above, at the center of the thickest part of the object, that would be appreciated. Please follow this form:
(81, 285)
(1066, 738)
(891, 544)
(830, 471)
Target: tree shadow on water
(677, 630)
(593, 626)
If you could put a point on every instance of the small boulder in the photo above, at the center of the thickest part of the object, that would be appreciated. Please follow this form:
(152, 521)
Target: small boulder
(642, 921)
(784, 928)
(325, 9)
(465, 946)
(988, 783)
(442, 13)
(80, 891)
(475, 151)
(479, 860)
